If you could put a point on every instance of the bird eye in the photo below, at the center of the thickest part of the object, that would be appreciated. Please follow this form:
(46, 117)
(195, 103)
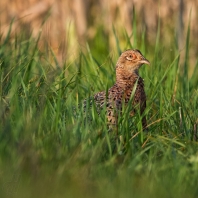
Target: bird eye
(129, 57)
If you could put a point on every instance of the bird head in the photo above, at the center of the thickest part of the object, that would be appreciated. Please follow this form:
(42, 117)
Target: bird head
(131, 60)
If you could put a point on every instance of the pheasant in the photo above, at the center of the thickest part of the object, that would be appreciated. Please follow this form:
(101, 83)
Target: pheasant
(127, 79)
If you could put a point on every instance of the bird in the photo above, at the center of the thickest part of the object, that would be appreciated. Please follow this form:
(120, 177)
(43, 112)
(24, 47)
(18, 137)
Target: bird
(127, 79)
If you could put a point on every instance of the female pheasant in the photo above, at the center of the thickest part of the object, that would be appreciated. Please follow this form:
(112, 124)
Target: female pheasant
(127, 78)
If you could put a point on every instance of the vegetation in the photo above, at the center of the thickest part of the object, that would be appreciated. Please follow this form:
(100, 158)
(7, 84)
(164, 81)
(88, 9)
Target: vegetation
(50, 147)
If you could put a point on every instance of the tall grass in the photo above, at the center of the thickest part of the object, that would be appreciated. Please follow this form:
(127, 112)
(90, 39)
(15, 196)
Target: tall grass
(50, 147)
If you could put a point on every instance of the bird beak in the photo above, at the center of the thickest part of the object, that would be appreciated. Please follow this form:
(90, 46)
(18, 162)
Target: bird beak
(144, 61)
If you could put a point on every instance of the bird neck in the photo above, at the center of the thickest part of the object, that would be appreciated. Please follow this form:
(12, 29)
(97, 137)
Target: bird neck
(126, 79)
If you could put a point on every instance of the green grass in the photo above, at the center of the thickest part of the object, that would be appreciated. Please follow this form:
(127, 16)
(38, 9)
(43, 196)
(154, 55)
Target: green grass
(49, 147)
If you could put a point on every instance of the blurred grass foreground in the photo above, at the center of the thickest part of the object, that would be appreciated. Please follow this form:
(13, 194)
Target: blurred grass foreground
(66, 52)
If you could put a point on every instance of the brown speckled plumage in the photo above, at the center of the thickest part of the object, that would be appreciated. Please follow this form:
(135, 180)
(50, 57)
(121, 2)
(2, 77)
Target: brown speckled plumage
(127, 78)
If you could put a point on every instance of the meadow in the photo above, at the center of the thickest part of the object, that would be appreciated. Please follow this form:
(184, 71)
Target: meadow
(48, 145)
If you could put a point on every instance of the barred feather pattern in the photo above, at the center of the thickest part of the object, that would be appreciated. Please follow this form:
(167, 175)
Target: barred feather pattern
(117, 95)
